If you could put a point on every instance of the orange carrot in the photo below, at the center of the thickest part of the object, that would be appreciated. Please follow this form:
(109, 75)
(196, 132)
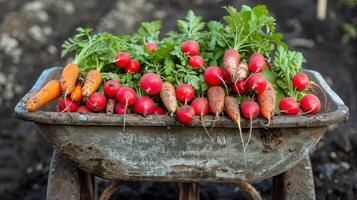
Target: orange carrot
(168, 97)
(231, 107)
(92, 83)
(47, 93)
(76, 94)
(215, 96)
(266, 101)
(69, 78)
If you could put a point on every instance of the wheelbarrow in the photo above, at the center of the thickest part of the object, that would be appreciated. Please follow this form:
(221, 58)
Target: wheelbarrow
(160, 149)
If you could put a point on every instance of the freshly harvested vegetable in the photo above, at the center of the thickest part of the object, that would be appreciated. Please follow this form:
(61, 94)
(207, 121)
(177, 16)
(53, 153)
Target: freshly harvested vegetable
(133, 67)
(151, 47)
(242, 71)
(159, 111)
(168, 97)
(227, 78)
(231, 107)
(119, 109)
(111, 88)
(83, 109)
(200, 106)
(151, 83)
(196, 62)
(300, 81)
(310, 104)
(110, 106)
(185, 93)
(266, 101)
(190, 48)
(213, 76)
(96, 102)
(76, 94)
(185, 114)
(67, 105)
(240, 87)
(126, 96)
(215, 96)
(256, 63)
(231, 63)
(145, 106)
(257, 83)
(47, 93)
(250, 110)
(289, 106)
(69, 78)
(122, 59)
(92, 83)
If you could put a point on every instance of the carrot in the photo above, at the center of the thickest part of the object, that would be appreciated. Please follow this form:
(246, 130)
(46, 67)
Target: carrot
(110, 106)
(69, 78)
(266, 101)
(231, 107)
(92, 83)
(168, 97)
(215, 96)
(47, 93)
(76, 94)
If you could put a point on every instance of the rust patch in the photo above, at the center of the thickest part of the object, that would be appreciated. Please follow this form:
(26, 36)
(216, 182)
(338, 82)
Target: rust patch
(270, 139)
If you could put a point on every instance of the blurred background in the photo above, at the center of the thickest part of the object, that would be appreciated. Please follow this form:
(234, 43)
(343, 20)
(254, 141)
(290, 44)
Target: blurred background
(31, 34)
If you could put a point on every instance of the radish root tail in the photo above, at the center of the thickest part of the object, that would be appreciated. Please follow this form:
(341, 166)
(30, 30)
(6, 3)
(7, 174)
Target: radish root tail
(126, 106)
(214, 121)
(242, 140)
(224, 83)
(204, 127)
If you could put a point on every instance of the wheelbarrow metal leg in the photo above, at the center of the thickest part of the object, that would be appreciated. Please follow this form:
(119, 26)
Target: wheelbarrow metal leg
(88, 186)
(64, 181)
(296, 183)
(189, 191)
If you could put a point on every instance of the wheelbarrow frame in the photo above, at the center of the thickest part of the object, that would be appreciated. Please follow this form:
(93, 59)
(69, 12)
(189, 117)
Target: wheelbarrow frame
(158, 148)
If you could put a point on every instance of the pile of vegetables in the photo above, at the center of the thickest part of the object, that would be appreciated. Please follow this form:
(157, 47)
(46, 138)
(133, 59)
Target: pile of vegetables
(239, 66)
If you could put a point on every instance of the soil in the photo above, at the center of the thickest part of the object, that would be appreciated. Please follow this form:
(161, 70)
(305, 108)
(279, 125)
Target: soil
(31, 33)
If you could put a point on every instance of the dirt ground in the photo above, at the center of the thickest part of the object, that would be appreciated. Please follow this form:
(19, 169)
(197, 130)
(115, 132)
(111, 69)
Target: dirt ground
(31, 33)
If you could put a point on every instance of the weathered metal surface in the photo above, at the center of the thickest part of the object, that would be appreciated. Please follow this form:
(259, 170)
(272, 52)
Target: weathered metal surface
(335, 112)
(64, 181)
(160, 149)
(177, 154)
(296, 183)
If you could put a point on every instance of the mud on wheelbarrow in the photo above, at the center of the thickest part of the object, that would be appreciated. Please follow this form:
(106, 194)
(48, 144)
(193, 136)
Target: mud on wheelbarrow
(158, 148)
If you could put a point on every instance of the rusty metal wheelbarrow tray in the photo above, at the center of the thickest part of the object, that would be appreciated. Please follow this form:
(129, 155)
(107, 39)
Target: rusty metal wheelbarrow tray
(158, 148)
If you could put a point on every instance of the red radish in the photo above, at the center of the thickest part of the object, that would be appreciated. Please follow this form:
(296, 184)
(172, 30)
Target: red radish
(257, 82)
(151, 83)
(196, 62)
(122, 59)
(190, 48)
(200, 106)
(213, 76)
(227, 78)
(96, 102)
(134, 67)
(256, 63)
(301, 82)
(111, 88)
(250, 110)
(289, 106)
(240, 87)
(185, 114)
(119, 108)
(151, 47)
(242, 72)
(67, 105)
(310, 104)
(159, 111)
(185, 93)
(231, 62)
(126, 96)
(83, 109)
(144, 105)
